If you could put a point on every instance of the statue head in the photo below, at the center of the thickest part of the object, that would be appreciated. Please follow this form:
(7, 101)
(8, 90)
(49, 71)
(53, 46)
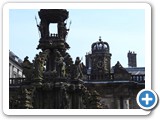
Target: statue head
(77, 58)
(26, 58)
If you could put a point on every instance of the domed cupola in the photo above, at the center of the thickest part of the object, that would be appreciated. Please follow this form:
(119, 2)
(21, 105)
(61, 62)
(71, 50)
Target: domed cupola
(100, 46)
(98, 61)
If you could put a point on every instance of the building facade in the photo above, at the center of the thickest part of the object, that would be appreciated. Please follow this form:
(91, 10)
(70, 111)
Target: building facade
(117, 86)
(15, 66)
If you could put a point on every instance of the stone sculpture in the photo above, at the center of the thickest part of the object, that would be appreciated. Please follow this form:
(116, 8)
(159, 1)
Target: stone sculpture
(27, 69)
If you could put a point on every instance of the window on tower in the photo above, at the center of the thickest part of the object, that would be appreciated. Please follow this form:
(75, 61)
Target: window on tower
(53, 30)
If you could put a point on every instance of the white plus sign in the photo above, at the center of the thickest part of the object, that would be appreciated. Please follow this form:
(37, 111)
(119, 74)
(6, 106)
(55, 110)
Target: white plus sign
(147, 99)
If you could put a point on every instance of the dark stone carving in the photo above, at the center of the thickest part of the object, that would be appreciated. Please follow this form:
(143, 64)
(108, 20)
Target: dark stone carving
(39, 62)
(60, 80)
(53, 15)
(62, 30)
(26, 97)
(53, 86)
(95, 101)
(27, 69)
(39, 67)
(44, 29)
(60, 65)
(78, 69)
(91, 99)
(14, 102)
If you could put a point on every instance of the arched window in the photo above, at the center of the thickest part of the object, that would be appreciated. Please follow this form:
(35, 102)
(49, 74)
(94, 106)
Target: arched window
(105, 46)
(100, 46)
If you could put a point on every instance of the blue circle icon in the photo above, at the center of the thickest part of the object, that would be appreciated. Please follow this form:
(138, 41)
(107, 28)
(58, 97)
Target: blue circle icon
(147, 99)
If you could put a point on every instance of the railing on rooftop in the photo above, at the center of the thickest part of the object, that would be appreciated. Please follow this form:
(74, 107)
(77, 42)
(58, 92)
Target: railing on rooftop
(16, 81)
(138, 78)
(135, 78)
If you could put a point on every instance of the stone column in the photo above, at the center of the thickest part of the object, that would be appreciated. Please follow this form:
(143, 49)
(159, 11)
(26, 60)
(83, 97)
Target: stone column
(76, 95)
(26, 97)
(116, 103)
(121, 103)
(127, 104)
(18, 72)
(12, 75)
(10, 70)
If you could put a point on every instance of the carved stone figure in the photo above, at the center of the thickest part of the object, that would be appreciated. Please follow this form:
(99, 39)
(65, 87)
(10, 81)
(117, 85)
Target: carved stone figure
(60, 65)
(27, 68)
(78, 69)
(62, 30)
(65, 31)
(44, 55)
(95, 100)
(44, 29)
(39, 67)
(26, 98)
(68, 67)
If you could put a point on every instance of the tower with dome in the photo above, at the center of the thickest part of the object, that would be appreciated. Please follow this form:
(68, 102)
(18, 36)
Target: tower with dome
(98, 62)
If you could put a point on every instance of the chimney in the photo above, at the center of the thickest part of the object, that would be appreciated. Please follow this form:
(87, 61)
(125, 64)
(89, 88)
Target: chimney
(132, 61)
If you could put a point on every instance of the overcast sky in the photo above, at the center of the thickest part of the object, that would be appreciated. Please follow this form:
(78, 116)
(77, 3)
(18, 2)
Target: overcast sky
(123, 29)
